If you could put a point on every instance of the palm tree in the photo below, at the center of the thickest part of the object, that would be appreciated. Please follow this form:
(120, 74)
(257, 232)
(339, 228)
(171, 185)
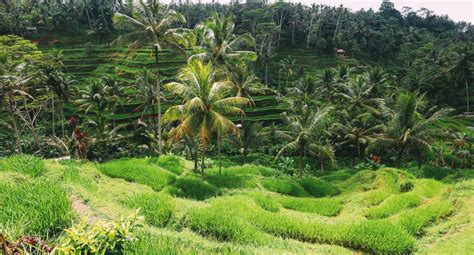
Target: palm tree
(218, 43)
(115, 97)
(327, 81)
(460, 70)
(377, 78)
(305, 92)
(147, 94)
(245, 82)
(358, 94)
(205, 107)
(149, 30)
(359, 134)
(286, 66)
(302, 133)
(94, 98)
(408, 129)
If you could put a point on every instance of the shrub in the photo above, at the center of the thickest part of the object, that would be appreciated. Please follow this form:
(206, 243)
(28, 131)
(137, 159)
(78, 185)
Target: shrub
(40, 208)
(393, 205)
(436, 173)
(191, 187)
(109, 238)
(285, 186)
(321, 206)
(317, 187)
(415, 220)
(25, 164)
(221, 220)
(137, 170)
(171, 163)
(157, 208)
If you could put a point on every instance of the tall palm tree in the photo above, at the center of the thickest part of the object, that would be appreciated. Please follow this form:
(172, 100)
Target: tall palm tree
(206, 105)
(328, 82)
(461, 70)
(303, 130)
(287, 66)
(218, 43)
(358, 94)
(305, 92)
(360, 135)
(147, 94)
(150, 29)
(408, 129)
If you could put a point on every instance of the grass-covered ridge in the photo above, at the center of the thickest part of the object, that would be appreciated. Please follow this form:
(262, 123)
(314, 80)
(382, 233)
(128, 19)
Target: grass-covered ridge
(237, 211)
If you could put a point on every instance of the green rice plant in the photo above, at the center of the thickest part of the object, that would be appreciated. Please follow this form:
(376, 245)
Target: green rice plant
(416, 219)
(285, 186)
(321, 206)
(428, 188)
(360, 181)
(34, 208)
(368, 236)
(265, 201)
(25, 164)
(393, 205)
(317, 187)
(437, 173)
(246, 169)
(232, 181)
(375, 197)
(157, 208)
(139, 171)
(194, 188)
(388, 180)
(336, 176)
(171, 163)
(221, 220)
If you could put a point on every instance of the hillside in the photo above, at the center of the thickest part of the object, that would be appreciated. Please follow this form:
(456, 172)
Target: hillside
(247, 209)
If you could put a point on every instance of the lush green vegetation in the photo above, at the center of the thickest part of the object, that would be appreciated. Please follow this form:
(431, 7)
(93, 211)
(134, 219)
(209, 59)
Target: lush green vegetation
(234, 129)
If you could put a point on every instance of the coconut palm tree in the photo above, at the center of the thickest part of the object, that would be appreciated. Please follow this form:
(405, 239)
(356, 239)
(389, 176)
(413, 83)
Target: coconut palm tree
(409, 130)
(218, 43)
(150, 29)
(461, 70)
(302, 133)
(328, 83)
(147, 94)
(358, 94)
(287, 66)
(206, 105)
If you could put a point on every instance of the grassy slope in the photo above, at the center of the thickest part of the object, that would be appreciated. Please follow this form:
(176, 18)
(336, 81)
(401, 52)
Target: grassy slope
(107, 198)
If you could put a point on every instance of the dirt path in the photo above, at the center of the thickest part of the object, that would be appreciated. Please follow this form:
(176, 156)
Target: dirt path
(83, 209)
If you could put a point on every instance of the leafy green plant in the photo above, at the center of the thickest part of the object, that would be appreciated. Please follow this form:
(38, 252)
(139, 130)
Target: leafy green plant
(321, 206)
(394, 204)
(109, 238)
(317, 187)
(169, 162)
(190, 187)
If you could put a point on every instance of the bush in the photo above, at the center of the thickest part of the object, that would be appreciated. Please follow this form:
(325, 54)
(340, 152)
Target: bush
(436, 173)
(221, 220)
(40, 208)
(137, 170)
(393, 205)
(171, 163)
(157, 208)
(317, 187)
(285, 186)
(321, 206)
(25, 164)
(415, 220)
(194, 188)
(110, 238)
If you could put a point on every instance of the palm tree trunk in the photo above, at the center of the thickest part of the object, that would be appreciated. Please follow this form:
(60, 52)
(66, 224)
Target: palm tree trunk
(54, 117)
(219, 153)
(300, 163)
(467, 96)
(196, 157)
(321, 164)
(309, 30)
(63, 119)
(358, 149)
(15, 126)
(158, 98)
(203, 156)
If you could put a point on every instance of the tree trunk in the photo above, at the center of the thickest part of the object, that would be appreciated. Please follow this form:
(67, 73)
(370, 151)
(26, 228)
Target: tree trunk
(309, 31)
(300, 164)
(196, 157)
(266, 72)
(467, 96)
(219, 153)
(54, 117)
(63, 119)
(15, 126)
(321, 164)
(293, 34)
(158, 98)
(358, 149)
(203, 156)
